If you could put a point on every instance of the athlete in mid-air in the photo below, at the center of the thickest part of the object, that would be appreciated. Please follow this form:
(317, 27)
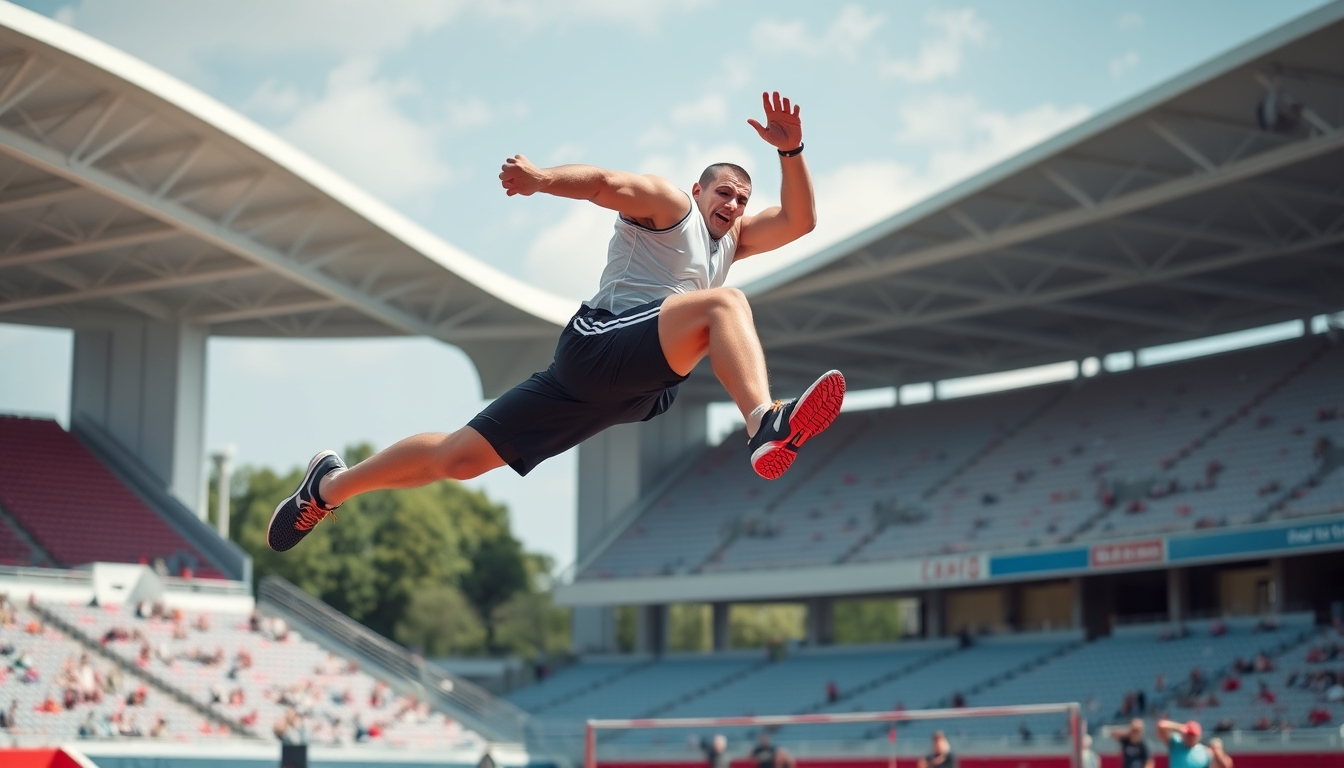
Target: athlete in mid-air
(661, 308)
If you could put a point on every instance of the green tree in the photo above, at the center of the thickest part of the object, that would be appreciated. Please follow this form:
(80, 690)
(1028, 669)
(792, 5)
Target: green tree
(433, 567)
(497, 573)
(440, 622)
(759, 625)
(530, 624)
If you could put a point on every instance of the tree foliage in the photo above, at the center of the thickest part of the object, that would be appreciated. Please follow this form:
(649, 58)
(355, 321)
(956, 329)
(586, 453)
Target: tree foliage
(436, 568)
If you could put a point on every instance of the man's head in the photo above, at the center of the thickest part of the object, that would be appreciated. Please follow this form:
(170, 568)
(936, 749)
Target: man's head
(721, 194)
(1192, 733)
(764, 739)
(720, 743)
(1136, 730)
(941, 746)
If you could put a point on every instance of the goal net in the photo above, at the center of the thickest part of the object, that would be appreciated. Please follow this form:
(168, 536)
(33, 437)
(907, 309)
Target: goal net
(1035, 735)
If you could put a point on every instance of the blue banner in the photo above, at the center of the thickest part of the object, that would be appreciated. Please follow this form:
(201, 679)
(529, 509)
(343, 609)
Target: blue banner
(1265, 540)
(1038, 562)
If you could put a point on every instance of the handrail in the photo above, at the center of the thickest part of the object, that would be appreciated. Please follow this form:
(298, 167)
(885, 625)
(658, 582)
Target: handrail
(496, 719)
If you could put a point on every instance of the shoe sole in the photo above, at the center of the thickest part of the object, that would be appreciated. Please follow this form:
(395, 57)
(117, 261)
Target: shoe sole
(815, 411)
(307, 478)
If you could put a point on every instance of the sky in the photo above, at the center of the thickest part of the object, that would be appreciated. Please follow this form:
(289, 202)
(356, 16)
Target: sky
(419, 101)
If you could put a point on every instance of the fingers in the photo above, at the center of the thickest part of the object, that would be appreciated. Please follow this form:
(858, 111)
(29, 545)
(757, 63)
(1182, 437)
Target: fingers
(765, 102)
(759, 128)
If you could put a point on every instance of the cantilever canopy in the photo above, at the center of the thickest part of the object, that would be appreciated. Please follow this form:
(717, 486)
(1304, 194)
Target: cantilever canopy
(122, 190)
(1179, 214)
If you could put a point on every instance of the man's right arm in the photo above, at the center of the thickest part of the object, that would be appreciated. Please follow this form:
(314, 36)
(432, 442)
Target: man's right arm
(650, 201)
(1167, 727)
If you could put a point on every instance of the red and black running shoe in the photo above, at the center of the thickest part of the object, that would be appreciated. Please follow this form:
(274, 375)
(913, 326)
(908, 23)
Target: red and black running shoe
(297, 515)
(789, 424)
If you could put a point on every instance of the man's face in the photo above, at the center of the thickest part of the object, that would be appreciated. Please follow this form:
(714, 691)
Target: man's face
(940, 745)
(722, 202)
(1136, 731)
(1190, 739)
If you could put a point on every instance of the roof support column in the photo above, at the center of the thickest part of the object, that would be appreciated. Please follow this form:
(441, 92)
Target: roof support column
(142, 383)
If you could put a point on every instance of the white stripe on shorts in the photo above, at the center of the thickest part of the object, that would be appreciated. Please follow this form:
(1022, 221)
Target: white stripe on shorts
(586, 327)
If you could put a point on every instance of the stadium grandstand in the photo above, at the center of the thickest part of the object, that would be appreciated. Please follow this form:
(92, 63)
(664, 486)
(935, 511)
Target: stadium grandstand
(1153, 527)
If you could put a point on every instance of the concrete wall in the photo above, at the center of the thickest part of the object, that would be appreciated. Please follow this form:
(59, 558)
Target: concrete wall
(143, 383)
(616, 470)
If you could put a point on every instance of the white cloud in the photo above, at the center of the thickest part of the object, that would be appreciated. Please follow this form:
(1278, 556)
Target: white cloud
(178, 36)
(274, 98)
(1123, 64)
(536, 14)
(711, 109)
(941, 56)
(1129, 20)
(567, 258)
(851, 28)
(956, 136)
(471, 113)
(358, 129)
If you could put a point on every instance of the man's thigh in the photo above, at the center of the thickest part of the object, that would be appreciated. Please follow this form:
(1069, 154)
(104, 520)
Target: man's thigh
(683, 325)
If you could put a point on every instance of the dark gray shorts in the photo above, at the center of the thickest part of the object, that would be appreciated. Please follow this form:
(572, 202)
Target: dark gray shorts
(608, 370)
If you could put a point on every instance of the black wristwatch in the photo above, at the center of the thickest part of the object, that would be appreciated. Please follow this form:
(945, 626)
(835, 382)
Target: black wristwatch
(791, 152)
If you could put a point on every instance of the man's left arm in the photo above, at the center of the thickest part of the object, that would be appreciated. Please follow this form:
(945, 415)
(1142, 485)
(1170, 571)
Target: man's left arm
(796, 215)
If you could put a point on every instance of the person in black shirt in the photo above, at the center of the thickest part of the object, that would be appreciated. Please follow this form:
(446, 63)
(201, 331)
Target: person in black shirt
(1133, 750)
(941, 756)
(764, 753)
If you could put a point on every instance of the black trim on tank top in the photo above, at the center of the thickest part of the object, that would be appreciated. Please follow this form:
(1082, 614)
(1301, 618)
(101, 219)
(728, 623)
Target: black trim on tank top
(668, 229)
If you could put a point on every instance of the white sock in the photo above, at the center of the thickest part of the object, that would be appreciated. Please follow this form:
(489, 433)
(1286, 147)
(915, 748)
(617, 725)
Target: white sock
(754, 418)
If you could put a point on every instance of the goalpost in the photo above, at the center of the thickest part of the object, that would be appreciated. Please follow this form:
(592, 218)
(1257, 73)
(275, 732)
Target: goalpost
(1071, 710)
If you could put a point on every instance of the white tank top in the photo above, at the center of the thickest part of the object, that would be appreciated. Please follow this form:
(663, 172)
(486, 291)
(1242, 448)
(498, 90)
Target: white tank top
(644, 264)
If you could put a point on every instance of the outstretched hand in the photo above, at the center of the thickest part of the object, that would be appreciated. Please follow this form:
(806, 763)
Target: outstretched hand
(783, 127)
(519, 176)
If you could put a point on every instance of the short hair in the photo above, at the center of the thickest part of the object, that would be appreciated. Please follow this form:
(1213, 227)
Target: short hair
(711, 173)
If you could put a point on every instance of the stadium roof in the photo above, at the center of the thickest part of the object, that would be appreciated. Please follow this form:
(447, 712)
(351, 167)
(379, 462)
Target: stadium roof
(124, 191)
(1180, 213)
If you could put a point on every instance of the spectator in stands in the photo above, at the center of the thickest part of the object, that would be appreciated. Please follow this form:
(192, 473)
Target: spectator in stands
(1133, 749)
(49, 705)
(832, 691)
(1184, 749)
(8, 716)
(1318, 715)
(716, 751)
(1090, 758)
(764, 752)
(941, 756)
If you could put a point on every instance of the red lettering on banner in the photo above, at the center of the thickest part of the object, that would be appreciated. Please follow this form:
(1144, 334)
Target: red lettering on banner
(946, 570)
(1126, 553)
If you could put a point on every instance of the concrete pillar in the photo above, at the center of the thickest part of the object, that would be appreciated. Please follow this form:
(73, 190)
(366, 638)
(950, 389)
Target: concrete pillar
(593, 629)
(1177, 599)
(651, 629)
(616, 468)
(820, 621)
(142, 383)
(934, 605)
(224, 470)
(721, 636)
(1076, 596)
(1278, 591)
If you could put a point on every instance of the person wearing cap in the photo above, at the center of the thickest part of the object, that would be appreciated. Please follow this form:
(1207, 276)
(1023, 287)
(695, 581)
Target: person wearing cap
(1184, 749)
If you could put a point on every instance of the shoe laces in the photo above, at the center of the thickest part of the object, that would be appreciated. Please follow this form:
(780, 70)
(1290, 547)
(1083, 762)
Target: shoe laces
(310, 514)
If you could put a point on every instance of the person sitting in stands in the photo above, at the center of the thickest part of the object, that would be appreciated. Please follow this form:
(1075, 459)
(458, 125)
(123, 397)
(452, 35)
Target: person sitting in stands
(941, 756)
(49, 705)
(1318, 716)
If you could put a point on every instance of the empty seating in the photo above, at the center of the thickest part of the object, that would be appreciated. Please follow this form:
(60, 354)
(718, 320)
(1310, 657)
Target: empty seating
(75, 507)
(1223, 440)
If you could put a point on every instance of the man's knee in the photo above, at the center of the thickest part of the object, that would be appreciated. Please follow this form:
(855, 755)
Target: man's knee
(730, 300)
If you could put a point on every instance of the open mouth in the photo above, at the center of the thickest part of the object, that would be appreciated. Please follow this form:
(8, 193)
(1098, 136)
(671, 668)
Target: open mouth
(722, 218)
